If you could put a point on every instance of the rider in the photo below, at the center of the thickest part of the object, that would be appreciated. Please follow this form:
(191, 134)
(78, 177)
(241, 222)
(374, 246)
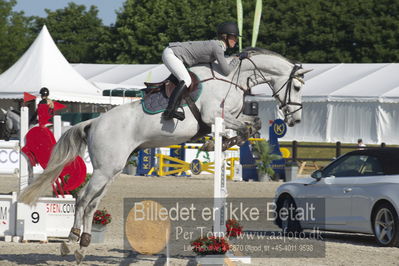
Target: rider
(45, 108)
(179, 55)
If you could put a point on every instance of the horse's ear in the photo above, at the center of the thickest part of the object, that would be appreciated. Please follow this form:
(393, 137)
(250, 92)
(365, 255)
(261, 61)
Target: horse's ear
(302, 71)
(4, 111)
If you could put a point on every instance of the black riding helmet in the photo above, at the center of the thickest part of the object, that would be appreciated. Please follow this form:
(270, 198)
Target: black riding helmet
(229, 28)
(44, 92)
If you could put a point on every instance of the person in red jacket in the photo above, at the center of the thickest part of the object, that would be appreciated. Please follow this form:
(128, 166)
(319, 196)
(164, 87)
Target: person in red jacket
(45, 108)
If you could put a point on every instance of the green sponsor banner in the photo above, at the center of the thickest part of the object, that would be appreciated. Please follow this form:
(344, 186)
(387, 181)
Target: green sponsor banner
(258, 13)
(239, 22)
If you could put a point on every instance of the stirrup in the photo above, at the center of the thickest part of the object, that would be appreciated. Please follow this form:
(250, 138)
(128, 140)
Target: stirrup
(178, 115)
(167, 115)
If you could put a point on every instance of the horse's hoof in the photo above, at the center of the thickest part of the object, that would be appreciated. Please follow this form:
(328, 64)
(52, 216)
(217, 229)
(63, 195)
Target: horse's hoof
(74, 235)
(208, 146)
(79, 255)
(64, 249)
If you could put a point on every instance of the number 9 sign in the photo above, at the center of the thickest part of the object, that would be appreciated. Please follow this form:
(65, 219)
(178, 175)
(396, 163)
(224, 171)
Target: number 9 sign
(31, 222)
(35, 217)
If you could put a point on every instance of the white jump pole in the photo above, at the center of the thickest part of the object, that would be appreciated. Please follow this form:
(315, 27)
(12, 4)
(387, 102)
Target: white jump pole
(23, 162)
(57, 122)
(220, 188)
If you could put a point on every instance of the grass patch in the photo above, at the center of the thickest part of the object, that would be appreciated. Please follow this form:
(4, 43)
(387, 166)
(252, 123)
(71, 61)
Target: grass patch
(320, 152)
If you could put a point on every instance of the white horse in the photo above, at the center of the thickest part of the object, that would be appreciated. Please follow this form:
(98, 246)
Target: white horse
(113, 136)
(12, 123)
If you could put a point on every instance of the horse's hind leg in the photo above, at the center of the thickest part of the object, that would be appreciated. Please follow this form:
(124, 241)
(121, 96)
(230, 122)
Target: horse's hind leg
(74, 235)
(92, 199)
(95, 184)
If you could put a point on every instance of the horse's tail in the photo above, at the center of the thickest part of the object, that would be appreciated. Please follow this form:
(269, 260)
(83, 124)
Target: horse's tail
(71, 144)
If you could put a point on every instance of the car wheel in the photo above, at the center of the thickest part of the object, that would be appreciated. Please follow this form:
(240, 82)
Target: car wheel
(386, 225)
(288, 224)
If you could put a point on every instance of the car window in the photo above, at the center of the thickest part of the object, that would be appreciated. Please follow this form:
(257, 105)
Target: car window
(354, 165)
(372, 166)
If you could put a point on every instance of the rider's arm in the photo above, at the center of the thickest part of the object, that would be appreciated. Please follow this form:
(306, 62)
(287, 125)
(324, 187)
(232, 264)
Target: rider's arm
(50, 103)
(224, 66)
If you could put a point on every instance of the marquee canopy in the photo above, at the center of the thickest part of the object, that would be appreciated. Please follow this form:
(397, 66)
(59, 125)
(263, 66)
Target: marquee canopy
(327, 82)
(43, 65)
(342, 102)
(114, 76)
(345, 102)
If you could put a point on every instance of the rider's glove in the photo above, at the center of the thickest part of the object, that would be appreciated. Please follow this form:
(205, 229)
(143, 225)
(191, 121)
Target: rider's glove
(243, 55)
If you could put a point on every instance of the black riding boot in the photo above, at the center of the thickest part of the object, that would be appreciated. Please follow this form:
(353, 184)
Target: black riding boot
(174, 102)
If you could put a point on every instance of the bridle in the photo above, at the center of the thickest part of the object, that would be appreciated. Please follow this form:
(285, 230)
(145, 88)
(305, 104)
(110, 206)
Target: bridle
(247, 91)
(288, 84)
(204, 128)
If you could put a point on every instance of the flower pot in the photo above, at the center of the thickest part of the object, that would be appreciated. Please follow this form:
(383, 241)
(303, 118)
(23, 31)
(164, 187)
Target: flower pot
(210, 259)
(130, 169)
(291, 172)
(98, 233)
(263, 177)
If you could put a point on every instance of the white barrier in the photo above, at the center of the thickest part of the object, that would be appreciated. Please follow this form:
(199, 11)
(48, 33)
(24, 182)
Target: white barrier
(50, 217)
(13, 145)
(9, 158)
(23, 161)
(7, 214)
(220, 188)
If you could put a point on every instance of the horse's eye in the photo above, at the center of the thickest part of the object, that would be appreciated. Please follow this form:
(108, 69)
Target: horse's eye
(297, 88)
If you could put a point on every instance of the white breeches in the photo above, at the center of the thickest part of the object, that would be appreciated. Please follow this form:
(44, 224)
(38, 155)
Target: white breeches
(176, 66)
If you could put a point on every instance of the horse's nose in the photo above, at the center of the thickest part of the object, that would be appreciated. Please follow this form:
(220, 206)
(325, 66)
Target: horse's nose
(297, 121)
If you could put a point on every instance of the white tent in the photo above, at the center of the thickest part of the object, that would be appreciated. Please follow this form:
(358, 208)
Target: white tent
(113, 76)
(342, 102)
(43, 65)
(345, 102)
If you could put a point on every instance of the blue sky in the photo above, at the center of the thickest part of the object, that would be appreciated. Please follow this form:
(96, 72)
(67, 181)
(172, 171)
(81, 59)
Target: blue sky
(107, 8)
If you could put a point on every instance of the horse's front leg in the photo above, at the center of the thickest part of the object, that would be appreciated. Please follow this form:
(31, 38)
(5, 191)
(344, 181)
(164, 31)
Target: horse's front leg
(245, 126)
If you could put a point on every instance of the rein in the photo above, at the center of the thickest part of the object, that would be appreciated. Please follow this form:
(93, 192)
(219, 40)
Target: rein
(288, 83)
(222, 79)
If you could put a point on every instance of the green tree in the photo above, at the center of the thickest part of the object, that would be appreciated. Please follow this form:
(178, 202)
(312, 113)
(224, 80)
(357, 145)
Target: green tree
(144, 28)
(15, 34)
(361, 31)
(319, 31)
(78, 33)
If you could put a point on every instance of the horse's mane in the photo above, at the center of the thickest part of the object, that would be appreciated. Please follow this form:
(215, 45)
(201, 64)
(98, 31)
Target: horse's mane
(256, 50)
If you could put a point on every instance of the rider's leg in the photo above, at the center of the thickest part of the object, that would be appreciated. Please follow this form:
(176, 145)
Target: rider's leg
(176, 66)
(174, 102)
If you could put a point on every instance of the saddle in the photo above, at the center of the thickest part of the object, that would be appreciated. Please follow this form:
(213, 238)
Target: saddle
(156, 95)
(169, 84)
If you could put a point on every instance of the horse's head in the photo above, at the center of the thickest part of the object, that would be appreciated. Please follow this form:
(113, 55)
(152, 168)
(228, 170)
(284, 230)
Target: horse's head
(283, 76)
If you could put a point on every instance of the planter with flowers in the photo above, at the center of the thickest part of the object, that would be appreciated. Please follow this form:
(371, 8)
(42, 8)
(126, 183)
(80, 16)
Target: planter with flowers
(100, 220)
(210, 250)
(264, 158)
(233, 228)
